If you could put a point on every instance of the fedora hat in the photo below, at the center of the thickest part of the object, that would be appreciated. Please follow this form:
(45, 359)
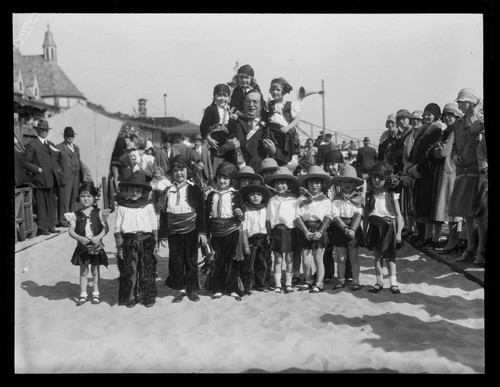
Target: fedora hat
(138, 179)
(268, 164)
(366, 139)
(347, 172)
(248, 189)
(249, 173)
(69, 132)
(283, 173)
(43, 125)
(315, 172)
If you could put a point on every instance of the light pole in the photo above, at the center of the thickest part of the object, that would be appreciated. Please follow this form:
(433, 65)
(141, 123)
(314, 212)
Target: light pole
(303, 93)
(165, 107)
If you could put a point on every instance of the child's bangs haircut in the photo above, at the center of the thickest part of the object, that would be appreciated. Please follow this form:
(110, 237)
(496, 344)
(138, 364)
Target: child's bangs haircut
(87, 187)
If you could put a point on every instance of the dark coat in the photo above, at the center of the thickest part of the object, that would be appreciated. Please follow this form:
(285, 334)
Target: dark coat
(211, 117)
(70, 163)
(164, 161)
(36, 155)
(366, 159)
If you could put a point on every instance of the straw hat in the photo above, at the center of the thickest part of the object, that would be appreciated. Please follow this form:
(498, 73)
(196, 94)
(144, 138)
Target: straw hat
(348, 172)
(283, 173)
(249, 173)
(268, 164)
(138, 179)
(248, 189)
(314, 172)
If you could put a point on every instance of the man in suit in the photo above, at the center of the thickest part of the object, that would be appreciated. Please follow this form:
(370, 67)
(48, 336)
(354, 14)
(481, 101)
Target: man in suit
(201, 156)
(41, 158)
(165, 155)
(323, 149)
(71, 167)
(365, 159)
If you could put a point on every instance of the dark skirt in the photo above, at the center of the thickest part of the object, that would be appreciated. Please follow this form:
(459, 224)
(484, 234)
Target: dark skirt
(304, 243)
(339, 239)
(81, 257)
(381, 236)
(283, 239)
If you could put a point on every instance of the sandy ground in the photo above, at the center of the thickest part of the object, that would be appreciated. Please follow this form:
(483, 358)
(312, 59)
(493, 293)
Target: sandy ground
(435, 326)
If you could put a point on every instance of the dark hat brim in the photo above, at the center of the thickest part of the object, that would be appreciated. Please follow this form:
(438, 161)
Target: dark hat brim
(126, 184)
(248, 189)
(248, 175)
(304, 178)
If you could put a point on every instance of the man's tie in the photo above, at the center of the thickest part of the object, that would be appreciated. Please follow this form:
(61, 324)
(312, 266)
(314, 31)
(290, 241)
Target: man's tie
(47, 145)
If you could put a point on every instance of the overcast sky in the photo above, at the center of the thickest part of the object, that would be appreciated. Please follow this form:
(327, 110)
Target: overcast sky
(372, 64)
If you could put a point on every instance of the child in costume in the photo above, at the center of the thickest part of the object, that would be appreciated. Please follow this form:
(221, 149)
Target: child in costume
(88, 226)
(136, 234)
(224, 216)
(280, 216)
(185, 226)
(312, 217)
(246, 82)
(383, 224)
(255, 237)
(347, 212)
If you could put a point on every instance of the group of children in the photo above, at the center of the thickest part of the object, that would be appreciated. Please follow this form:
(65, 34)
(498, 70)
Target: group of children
(252, 223)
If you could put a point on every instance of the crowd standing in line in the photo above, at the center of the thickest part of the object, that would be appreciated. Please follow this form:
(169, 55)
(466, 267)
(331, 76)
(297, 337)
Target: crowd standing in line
(275, 215)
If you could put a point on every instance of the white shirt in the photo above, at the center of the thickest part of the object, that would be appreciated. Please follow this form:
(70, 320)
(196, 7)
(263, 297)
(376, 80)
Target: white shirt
(278, 116)
(132, 220)
(223, 115)
(182, 207)
(281, 210)
(255, 221)
(316, 210)
(226, 209)
(345, 208)
(380, 207)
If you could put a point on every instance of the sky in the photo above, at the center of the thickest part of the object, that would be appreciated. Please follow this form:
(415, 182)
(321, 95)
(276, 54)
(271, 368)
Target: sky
(371, 65)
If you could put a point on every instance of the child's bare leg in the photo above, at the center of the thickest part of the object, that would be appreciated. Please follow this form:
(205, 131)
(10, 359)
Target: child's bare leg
(307, 262)
(353, 258)
(84, 272)
(341, 259)
(320, 267)
(288, 268)
(278, 259)
(95, 277)
(378, 269)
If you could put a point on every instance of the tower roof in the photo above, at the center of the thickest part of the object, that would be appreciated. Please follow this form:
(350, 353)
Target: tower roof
(49, 39)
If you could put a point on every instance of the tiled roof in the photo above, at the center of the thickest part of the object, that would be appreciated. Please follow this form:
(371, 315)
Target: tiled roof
(51, 78)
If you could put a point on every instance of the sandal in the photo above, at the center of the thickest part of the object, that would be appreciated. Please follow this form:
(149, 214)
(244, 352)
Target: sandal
(376, 288)
(95, 300)
(355, 287)
(288, 289)
(315, 289)
(339, 285)
(216, 296)
(306, 286)
(395, 289)
(82, 300)
(277, 290)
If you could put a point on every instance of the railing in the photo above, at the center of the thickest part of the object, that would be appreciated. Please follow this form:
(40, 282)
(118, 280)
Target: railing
(317, 130)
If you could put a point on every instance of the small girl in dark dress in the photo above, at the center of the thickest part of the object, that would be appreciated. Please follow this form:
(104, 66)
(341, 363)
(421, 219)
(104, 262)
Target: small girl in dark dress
(88, 226)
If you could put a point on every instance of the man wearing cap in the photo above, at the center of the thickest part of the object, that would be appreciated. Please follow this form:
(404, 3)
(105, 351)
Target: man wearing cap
(70, 177)
(366, 158)
(200, 155)
(41, 158)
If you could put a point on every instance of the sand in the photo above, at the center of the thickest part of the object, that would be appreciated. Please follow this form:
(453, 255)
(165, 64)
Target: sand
(435, 326)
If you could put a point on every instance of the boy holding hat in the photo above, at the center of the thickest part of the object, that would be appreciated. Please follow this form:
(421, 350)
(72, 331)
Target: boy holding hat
(41, 158)
(224, 215)
(136, 234)
(312, 218)
(256, 251)
(280, 217)
(347, 213)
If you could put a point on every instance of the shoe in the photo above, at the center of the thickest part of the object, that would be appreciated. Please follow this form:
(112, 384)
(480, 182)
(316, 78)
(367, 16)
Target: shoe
(339, 285)
(376, 288)
(295, 280)
(277, 290)
(52, 230)
(216, 296)
(306, 286)
(448, 250)
(261, 289)
(236, 296)
(40, 232)
(178, 297)
(193, 296)
(315, 289)
(423, 243)
(434, 245)
(479, 259)
(288, 289)
(82, 300)
(327, 280)
(95, 300)
(355, 287)
(466, 256)
(131, 303)
(395, 289)
(64, 223)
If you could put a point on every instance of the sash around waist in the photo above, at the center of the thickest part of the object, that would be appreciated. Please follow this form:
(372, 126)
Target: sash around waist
(223, 226)
(181, 223)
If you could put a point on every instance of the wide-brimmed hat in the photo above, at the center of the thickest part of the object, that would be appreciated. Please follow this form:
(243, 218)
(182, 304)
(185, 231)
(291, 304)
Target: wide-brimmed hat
(227, 169)
(248, 189)
(315, 172)
(283, 173)
(69, 132)
(347, 172)
(268, 164)
(452, 108)
(138, 179)
(468, 95)
(43, 124)
(249, 173)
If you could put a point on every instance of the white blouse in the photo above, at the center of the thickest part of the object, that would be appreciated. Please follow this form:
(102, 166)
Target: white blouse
(255, 221)
(133, 220)
(281, 210)
(316, 210)
(380, 207)
(345, 208)
(278, 118)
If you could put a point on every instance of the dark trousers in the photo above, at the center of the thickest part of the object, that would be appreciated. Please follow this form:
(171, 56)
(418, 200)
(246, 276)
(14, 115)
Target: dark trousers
(225, 273)
(67, 197)
(255, 264)
(46, 207)
(137, 271)
(183, 261)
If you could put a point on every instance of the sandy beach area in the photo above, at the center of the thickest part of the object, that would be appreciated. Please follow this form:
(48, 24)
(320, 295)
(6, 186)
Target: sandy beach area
(435, 326)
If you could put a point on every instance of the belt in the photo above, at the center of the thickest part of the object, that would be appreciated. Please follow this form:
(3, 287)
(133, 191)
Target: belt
(138, 236)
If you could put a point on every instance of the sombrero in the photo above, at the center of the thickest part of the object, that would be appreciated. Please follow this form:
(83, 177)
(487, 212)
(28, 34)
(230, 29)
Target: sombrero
(249, 173)
(268, 164)
(314, 172)
(347, 172)
(138, 179)
(283, 173)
